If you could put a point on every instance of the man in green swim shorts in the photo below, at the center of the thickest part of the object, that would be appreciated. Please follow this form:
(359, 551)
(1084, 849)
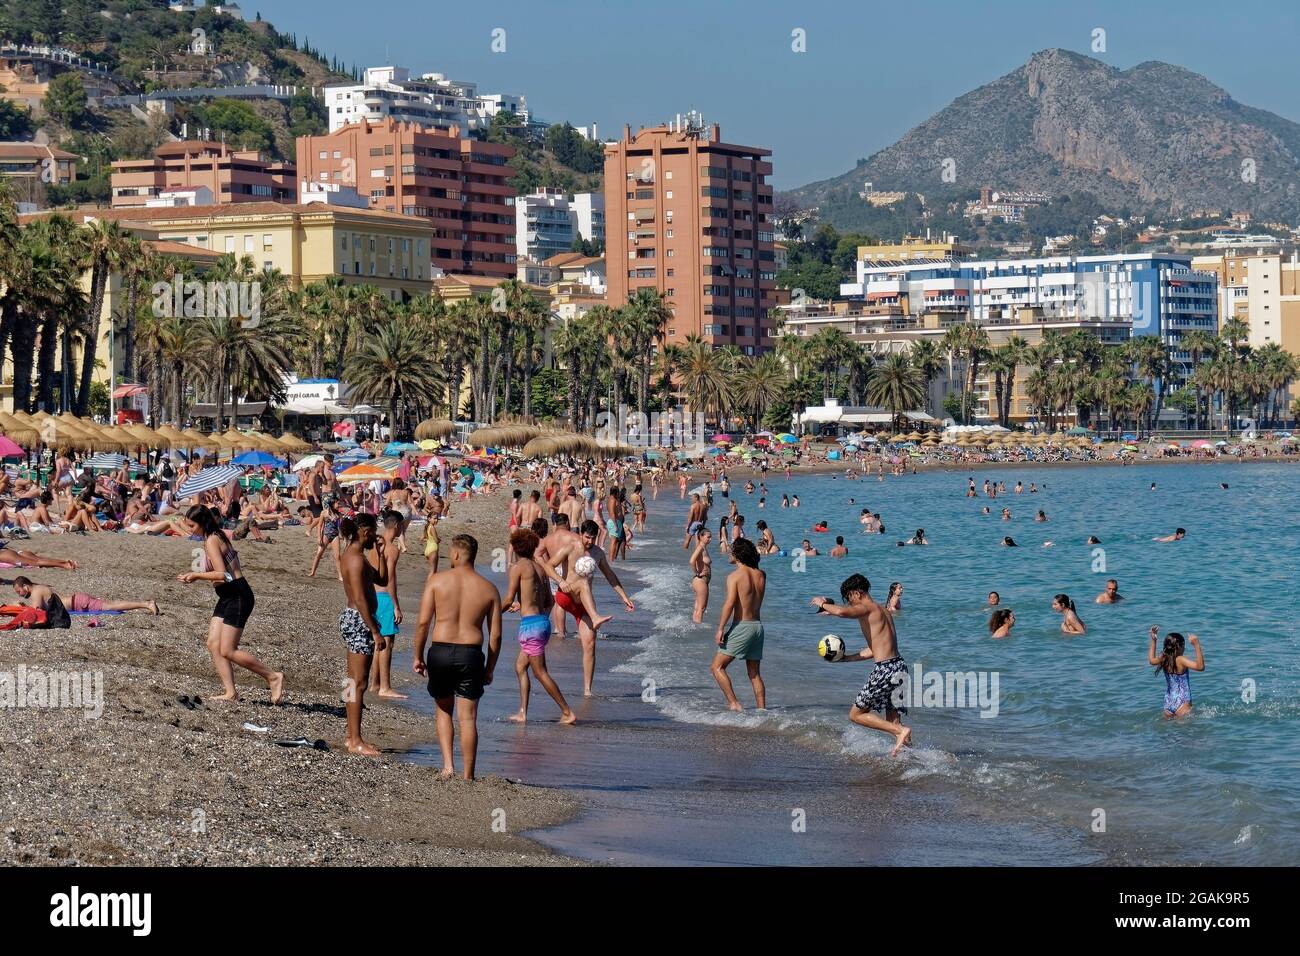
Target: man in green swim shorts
(744, 637)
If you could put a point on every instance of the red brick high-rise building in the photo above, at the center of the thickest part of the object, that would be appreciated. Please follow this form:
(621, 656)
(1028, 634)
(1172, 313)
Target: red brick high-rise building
(691, 216)
(459, 184)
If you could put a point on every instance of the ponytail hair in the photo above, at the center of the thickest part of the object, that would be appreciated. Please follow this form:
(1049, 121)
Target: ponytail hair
(1064, 601)
(347, 529)
(998, 618)
(1174, 646)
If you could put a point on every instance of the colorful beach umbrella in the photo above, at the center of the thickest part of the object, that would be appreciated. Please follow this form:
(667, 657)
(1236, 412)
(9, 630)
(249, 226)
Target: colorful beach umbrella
(258, 459)
(787, 438)
(209, 478)
(362, 472)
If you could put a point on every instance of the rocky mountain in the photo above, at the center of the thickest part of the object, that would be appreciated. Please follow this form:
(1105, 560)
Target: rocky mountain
(1156, 138)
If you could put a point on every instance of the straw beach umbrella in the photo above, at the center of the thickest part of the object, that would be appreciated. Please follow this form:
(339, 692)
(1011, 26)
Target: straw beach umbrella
(293, 443)
(434, 428)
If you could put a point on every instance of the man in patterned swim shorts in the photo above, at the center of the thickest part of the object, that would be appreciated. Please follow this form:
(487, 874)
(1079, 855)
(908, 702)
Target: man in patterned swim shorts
(877, 693)
(357, 624)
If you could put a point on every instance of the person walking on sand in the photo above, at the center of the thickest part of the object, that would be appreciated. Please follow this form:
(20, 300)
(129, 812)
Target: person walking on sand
(1176, 667)
(388, 611)
(218, 562)
(462, 602)
(357, 624)
(529, 593)
(878, 693)
(743, 638)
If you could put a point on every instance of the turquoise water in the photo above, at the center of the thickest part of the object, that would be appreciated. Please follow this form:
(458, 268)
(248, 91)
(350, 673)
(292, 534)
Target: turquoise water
(1077, 739)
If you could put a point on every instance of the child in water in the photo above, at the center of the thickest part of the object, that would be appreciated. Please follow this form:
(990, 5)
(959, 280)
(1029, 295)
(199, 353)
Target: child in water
(1176, 667)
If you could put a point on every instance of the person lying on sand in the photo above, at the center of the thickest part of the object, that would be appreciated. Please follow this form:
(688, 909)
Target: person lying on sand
(30, 559)
(38, 596)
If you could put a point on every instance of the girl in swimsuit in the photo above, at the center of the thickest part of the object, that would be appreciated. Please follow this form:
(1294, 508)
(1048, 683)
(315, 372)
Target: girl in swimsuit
(894, 600)
(218, 562)
(702, 571)
(1001, 622)
(327, 538)
(1176, 667)
(1070, 623)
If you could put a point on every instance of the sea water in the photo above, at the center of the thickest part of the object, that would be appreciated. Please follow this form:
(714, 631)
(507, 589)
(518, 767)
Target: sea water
(1067, 732)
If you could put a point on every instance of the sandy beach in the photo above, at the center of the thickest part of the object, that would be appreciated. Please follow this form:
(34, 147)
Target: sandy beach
(161, 779)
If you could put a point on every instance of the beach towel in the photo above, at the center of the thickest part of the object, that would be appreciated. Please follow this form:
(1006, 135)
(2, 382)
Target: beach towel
(20, 616)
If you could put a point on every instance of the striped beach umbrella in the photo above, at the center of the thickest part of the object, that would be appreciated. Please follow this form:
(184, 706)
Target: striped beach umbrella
(208, 479)
(107, 460)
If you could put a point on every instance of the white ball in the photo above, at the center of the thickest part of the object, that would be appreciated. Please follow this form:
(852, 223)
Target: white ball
(585, 566)
(831, 648)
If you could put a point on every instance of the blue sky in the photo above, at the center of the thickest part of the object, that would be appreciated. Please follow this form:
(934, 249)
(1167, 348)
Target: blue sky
(870, 71)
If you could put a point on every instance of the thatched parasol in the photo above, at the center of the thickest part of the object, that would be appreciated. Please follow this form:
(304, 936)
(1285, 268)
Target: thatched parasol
(434, 428)
(237, 440)
(292, 443)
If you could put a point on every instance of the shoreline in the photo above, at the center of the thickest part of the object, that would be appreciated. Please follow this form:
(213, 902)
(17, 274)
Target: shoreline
(157, 779)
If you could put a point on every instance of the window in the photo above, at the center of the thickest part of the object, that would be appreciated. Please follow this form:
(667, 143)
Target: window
(266, 240)
(324, 154)
(668, 175)
(668, 233)
(230, 243)
(337, 154)
(669, 195)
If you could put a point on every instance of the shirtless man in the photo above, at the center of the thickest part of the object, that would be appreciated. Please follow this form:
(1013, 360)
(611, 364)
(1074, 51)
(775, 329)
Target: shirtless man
(357, 624)
(530, 510)
(561, 535)
(388, 611)
(882, 645)
(573, 508)
(462, 601)
(1178, 535)
(529, 593)
(840, 550)
(38, 596)
(570, 584)
(743, 639)
(696, 519)
(1111, 595)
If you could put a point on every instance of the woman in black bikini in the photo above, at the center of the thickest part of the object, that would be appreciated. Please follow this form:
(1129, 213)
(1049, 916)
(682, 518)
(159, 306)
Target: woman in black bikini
(702, 571)
(218, 561)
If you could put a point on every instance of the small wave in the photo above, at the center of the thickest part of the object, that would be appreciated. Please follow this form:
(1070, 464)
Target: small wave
(1245, 836)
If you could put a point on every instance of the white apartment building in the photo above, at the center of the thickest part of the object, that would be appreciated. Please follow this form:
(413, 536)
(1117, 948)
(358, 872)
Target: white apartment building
(589, 215)
(547, 221)
(429, 100)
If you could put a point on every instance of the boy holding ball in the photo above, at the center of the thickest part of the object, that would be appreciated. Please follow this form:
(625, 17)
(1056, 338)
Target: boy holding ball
(877, 693)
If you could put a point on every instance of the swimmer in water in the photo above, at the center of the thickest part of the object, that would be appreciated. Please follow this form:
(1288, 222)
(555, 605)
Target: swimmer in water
(1006, 514)
(1176, 667)
(839, 551)
(1111, 595)
(1093, 539)
(1178, 535)
(1001, 622)
(894, 599)
(1041, 516)
(1070, 623)
(994, 599)
(1009, 542)
(807, 549)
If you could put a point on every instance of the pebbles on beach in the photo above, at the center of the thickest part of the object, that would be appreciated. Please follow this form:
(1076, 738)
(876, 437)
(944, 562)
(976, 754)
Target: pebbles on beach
(163, 778)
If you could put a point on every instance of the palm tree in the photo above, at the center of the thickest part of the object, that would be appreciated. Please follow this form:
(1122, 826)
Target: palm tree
(758, 382)
(651, 314)
(533, 321)
(576, 344)
(1198, 344)
(927, 356)
(704, 373)
(861, 365)
(1014, 352)
(106, 249)
(953, 346)
(392, 365)
(977, 348)
(1001, 366)
(897, 385)
(830, 350)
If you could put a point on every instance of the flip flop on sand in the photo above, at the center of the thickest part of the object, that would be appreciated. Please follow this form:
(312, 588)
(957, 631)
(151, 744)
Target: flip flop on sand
(304, 742)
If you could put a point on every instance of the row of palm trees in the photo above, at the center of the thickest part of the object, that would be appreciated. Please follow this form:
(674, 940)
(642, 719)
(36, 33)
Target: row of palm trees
(1071, 374)
(413, 357)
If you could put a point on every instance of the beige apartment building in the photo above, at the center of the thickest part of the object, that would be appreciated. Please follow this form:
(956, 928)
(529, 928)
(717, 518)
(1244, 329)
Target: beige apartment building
(231, 176)
(691, 217)
(459, 186)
